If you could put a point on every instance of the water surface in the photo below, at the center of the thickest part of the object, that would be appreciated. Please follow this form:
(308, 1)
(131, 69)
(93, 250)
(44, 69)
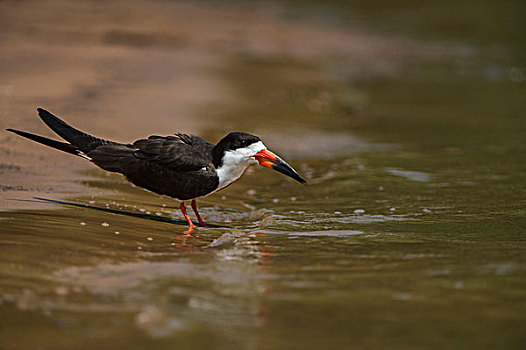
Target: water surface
(410, 235)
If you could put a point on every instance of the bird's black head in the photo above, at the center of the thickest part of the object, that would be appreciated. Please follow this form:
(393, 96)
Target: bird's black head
(236, 140)
(231, 142)
(237, 150)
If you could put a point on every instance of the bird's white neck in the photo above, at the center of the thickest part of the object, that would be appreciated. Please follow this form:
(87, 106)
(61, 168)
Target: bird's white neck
(235, 162)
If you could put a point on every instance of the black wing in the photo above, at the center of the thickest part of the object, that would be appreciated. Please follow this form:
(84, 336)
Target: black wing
(179, 166)
(180, 152)
(84, 142)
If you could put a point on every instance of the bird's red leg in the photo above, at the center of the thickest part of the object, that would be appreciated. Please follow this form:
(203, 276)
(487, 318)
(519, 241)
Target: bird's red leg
(194, 207)
(190, 223)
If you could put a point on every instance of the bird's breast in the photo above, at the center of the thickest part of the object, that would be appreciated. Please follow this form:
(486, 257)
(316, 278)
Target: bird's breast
(229, 172)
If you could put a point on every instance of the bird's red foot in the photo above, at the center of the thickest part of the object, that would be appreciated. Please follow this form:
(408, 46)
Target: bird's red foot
(190, 229)
(203, 224)
(191, 225)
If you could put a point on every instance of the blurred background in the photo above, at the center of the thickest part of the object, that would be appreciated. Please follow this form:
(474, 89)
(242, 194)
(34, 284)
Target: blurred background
(407, 118)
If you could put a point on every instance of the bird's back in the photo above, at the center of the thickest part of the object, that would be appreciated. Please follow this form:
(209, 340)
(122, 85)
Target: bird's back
(179, 166)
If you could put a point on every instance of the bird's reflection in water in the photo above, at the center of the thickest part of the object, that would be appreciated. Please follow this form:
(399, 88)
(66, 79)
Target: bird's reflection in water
(193, 283)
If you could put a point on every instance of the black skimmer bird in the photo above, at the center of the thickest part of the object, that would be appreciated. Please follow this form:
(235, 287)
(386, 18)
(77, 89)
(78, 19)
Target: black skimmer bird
(181, 166)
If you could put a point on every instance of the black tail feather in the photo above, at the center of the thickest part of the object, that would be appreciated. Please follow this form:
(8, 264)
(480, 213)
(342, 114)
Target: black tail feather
(63, 146)
(84, 142)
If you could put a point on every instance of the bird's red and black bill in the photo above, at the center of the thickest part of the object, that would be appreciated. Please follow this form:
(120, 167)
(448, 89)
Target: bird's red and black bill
(272, 161)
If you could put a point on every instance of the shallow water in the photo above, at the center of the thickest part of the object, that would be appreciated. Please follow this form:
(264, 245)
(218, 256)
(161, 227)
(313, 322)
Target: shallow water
(410, 235)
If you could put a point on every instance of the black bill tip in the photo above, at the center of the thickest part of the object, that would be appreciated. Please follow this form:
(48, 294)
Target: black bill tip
(281, 166)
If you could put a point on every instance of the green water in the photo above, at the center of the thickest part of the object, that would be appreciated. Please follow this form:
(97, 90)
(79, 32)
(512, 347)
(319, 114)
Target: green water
(411, 234)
